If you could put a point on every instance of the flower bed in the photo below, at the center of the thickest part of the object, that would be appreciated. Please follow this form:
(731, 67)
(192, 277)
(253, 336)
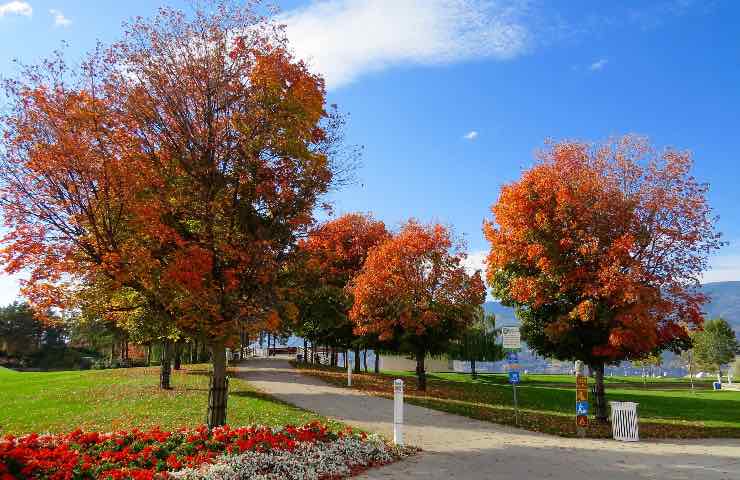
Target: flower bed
(308, 452)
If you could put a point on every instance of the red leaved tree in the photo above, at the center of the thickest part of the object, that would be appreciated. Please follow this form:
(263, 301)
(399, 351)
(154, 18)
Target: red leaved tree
(183, 162)
(601, 248)
(333, 254)
(414, 291)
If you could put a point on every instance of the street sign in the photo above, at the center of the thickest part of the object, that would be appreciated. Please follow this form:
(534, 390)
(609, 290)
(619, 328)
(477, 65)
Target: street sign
(514, 377)
(581, 408)
(512, 357)
(582, 421)
(581, 382)
(581, 395)
(512, 339)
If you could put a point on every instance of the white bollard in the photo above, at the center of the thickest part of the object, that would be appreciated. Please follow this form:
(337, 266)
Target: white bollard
(398, 412)
(349, 369)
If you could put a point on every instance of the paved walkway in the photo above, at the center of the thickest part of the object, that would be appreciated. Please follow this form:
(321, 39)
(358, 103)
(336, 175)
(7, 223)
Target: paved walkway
(461, 448)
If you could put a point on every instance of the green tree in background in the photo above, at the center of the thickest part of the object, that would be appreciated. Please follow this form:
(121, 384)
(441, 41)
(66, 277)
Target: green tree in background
(716, 345)
(478, 343)
(20, 331)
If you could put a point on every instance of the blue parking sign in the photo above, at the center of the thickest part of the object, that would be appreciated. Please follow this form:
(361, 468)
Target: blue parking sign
(581, 408)
(514, 377)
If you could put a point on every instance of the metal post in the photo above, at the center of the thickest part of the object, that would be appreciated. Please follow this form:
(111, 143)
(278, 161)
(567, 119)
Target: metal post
(581, 396)
(516, 406)
(349, 369)
(398, 412)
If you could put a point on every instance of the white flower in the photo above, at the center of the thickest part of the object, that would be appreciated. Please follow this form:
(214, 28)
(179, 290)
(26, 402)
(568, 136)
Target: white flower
(308, 461)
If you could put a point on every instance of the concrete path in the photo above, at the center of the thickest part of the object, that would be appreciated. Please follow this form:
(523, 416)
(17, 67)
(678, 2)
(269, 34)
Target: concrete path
(461, 448)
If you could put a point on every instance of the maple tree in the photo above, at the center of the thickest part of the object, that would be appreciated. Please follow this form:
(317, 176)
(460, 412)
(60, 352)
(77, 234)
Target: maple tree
(600, 248)
(414, 291)
(332, 255)
(183, 162)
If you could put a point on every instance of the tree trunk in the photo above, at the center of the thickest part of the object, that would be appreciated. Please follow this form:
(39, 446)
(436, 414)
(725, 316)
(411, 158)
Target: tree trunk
(364, 359)
(305, 351)
(472, 369)
(218, 389)
(421, 375)
(148, 354)
(164, 366)
(377, 361)
(600, 399)
(112, 352)
(357, 360)
(178, 355)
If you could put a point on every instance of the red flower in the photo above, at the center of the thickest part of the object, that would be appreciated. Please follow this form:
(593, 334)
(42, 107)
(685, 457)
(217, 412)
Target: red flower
(133, 455)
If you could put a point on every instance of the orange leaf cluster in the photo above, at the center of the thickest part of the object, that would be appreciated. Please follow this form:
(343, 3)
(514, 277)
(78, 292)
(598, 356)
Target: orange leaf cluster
(413, 284)
(611, 239)
(182, 163)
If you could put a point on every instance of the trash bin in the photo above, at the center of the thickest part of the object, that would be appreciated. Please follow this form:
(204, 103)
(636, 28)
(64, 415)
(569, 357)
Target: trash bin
(624, 421)
(717, 386)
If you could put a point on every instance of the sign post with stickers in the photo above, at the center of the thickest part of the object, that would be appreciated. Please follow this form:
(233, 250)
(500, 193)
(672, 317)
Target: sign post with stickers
(581, 400)
(512, 343)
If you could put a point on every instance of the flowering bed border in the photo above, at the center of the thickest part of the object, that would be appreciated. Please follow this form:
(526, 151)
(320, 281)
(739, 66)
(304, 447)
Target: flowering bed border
(157, 454)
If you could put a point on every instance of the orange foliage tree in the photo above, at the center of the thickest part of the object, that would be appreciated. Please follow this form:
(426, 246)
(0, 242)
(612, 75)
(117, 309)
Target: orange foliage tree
(183, 162)
(414, 291)
(333, 254)
(600, 248)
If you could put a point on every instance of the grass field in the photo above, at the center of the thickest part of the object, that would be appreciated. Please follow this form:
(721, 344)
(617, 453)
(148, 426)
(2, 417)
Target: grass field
(108, 400)
(667, 407)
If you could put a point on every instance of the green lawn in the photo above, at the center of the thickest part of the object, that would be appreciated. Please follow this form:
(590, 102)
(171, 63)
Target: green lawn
(668, 400)
(667, 407)
(106, 400)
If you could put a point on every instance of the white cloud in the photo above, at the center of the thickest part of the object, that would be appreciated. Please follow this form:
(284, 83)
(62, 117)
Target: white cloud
(16, 8)
(476, 261)
(472, 135)
(598, 65)
(345, 39)
(59, 19)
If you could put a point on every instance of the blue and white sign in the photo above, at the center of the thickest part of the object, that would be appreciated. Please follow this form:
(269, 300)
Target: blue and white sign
(581, 408)
(514, 377)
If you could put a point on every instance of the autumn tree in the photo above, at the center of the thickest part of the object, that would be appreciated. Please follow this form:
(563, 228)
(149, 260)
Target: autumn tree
(414, 291)
(182, 162)
(600, 248)
(648, 362)
(715, 345)
(332, 255)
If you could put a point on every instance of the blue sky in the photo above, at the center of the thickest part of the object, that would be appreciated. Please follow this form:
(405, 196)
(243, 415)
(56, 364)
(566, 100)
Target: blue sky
(451, 97)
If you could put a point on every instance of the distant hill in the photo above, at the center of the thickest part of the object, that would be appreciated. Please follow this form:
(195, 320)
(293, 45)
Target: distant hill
(504, 315)
(724, 302)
